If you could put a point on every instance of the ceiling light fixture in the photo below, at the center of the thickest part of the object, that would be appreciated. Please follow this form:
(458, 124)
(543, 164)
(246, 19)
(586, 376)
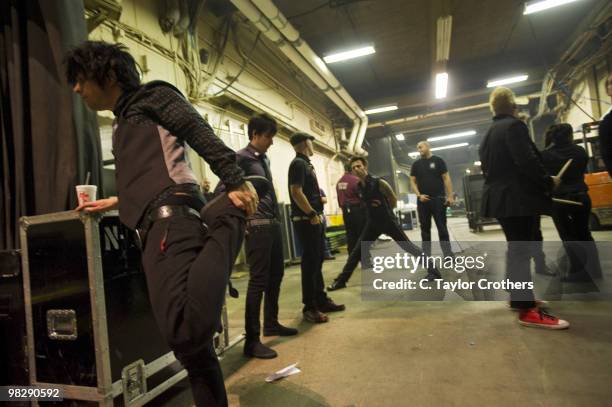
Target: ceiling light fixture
(454, 135)
(443, 38)
(441, 85)
(415, 154)
(381, 109)
(506, 81)
(350, 54)
(400, 137)
(541, 5)
(477, 163)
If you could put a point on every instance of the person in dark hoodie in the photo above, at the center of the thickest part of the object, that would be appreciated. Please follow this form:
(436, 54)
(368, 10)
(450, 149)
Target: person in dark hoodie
(571, 221)
(188, 248)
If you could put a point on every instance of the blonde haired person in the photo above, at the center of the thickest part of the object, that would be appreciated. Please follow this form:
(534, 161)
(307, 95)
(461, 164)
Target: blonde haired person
(516, 192)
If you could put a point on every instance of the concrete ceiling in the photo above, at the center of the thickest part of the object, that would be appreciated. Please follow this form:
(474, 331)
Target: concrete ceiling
(490, 39)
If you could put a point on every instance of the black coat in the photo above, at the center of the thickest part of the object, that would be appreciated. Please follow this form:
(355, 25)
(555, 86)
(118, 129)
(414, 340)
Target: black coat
(516, 183)
(605, 141)
(555, 157)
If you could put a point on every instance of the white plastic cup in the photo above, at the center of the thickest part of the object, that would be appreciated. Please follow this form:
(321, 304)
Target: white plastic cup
(86, 193)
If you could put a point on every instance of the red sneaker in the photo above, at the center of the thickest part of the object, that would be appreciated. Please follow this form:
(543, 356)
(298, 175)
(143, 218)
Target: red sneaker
(538, 318)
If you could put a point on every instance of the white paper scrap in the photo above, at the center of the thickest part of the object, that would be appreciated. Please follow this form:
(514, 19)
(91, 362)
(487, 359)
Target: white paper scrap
(285, 372)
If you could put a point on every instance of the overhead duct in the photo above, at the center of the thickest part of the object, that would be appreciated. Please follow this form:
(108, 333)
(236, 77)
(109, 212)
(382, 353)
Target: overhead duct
(274, 25)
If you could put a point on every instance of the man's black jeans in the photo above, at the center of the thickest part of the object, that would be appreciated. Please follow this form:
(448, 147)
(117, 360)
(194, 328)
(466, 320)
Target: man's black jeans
(313, 287)
(436, 208)
(187, 269)
(264, 251)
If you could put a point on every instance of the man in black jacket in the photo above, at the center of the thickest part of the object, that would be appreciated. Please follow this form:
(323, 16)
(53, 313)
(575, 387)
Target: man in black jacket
(605, 131)
(516, 192)
(263, 243)
(187, 262)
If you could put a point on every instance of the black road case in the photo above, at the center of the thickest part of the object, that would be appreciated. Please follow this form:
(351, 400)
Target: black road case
(473, 187)
(90, 328)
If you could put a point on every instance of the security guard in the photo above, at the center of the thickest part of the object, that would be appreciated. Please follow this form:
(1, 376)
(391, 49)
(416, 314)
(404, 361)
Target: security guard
(306, 212)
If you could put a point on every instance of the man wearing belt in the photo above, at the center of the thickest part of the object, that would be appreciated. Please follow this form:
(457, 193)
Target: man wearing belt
(187, 263)
(432, 185)
(306, 212)
(263, 244)
(380, 200)
(353, 210)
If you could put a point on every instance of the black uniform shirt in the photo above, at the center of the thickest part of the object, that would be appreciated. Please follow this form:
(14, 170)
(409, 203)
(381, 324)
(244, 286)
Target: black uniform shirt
(428, 173)
(302, 172)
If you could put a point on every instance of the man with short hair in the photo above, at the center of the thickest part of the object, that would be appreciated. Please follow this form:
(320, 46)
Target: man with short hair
(205, 187)
(516, 191)
(263, 243)
(432, 184)
(188, 248)
(306, 212)
(380, 200)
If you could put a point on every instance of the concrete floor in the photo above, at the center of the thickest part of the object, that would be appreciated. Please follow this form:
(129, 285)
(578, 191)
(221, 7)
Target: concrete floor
(419, 353)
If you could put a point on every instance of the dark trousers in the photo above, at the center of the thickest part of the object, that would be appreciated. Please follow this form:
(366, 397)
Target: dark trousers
(313, 287)
(519, 229)
(434, 208)
(264, 252)
(354, 221)
(373, 229)
(572, 223)
(187, 269)
(539, 258)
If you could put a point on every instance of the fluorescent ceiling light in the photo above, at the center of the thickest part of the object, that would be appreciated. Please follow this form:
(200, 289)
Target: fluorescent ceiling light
(441, 85)
(381, 109)
(541, 5)
(506, 81)
(400, 137)
(477, 163)
(415, 154)
(454, 135)
(350, 54)
(398, 171)
(443, 38)
(467, 171)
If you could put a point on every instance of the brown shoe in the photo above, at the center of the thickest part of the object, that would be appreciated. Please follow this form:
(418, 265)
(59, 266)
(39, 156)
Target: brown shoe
(331, 306)
(316, 317)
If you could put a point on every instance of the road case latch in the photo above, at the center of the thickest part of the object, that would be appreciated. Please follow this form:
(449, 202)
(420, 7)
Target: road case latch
(134, 381)
(62, 324)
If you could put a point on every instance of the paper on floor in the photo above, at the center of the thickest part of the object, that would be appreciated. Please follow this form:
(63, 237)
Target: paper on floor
(287, 371)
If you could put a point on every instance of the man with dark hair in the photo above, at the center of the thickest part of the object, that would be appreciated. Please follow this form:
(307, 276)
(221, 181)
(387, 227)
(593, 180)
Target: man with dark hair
(353, 210)
(306, 212)
(380, 200)
(432, 184)
(263, 245)
(188, 249)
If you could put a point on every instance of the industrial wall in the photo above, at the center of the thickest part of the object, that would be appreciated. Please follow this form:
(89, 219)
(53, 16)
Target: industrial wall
(260, 79)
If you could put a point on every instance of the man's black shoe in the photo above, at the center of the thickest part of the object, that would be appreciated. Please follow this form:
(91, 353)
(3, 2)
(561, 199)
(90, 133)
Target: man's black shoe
(329, 258)
(331, 306)
(433, 274)
(256, 349)
(280, 330)
(336, 285)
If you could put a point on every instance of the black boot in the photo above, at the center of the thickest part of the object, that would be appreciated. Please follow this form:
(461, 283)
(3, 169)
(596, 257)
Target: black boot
(256, 349)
